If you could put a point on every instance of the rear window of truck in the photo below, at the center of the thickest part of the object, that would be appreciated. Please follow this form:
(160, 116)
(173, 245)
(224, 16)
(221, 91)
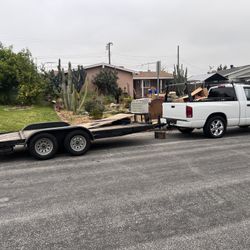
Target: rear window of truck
(247, 93)
(223, 94)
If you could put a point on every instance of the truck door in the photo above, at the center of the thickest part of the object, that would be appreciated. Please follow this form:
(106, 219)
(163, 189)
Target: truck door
(246, 105)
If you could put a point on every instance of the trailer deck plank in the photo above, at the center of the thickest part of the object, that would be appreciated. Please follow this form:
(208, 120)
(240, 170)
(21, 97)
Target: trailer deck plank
(107, 121)
(11, 139)
(119, 130)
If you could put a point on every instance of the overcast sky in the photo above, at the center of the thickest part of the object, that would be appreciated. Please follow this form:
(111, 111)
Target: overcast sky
(209, 32)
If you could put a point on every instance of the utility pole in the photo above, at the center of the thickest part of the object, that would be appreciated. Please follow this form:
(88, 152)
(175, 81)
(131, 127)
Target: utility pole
(109, 52)
(178, 56)
(158, 70)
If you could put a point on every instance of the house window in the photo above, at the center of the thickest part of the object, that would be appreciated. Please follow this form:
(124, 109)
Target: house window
(146, 84)
(146, 87)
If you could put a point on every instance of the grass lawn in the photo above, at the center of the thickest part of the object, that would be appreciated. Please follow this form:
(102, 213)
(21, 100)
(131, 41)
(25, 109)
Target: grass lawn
(15, 118)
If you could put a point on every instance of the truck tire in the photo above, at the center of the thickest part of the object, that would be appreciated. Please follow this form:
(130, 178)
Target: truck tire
(43, 146)
(77, 142)
(215, 127)
(185, 130)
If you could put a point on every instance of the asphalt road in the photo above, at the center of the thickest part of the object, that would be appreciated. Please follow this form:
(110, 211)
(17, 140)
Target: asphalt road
(133, 192)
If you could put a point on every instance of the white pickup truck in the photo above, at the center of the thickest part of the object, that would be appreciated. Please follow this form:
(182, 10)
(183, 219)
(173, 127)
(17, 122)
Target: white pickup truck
(227, 105)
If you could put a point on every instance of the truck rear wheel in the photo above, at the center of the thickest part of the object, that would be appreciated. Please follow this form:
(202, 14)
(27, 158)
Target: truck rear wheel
(77, 142)
(43, 146)
(185, 130)
(215, 127)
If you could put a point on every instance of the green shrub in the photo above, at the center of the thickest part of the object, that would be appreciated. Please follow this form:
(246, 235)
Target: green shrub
(126, 101)
(95, 108)
(108, 99)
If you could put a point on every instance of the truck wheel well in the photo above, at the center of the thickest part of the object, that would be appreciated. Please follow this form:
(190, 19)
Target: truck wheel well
(217, 114)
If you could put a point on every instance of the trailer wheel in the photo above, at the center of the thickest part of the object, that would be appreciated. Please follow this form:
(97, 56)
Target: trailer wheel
(43, 146)
(185, 130)
(77, 142)
(215, 127)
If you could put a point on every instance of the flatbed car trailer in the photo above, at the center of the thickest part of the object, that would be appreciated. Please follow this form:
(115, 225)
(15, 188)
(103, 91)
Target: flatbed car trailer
(44, 139)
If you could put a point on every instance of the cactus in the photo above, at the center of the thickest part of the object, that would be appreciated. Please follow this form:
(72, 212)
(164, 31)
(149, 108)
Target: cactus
(180, 76)
(73, 89)
(83, 93)
(64, 90)
(70, 87)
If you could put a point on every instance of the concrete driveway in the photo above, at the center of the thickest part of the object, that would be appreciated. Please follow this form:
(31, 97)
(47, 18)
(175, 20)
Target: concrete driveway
(133, 192)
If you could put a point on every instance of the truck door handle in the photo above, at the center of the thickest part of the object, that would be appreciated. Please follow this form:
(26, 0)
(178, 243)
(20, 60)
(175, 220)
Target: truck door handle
(248, 105)
(174, 106)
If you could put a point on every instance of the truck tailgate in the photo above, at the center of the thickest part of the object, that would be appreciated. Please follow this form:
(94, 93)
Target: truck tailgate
(174, 110)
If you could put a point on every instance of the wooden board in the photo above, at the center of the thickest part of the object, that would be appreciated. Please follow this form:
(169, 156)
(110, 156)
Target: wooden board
(107, 121)
(11, 139)
(196, 91)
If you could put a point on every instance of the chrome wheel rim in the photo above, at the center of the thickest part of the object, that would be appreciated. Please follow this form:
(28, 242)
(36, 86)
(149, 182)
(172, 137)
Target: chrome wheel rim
(44, 146)
(217, 128)
(78, 143)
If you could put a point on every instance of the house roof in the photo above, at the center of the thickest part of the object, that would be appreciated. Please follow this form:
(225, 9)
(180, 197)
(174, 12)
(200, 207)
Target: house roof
(233, 70)
(106, 65)
(207, 77)
(143, 75)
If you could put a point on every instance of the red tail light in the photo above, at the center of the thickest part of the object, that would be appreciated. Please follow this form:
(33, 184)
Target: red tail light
(189, 112)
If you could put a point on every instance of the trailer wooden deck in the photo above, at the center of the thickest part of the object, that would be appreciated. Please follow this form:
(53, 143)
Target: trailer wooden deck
(119, 130)
(11, 139)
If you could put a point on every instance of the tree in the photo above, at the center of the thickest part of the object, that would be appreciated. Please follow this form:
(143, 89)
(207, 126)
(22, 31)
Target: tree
(220, 67)
(106, 83)
(52, 83)
(20, 81)
(8, 75)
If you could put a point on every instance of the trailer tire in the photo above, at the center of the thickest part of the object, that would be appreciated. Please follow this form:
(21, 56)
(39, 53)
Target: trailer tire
(43, 146)
(215, 127)
(77, 142)
(185, 130)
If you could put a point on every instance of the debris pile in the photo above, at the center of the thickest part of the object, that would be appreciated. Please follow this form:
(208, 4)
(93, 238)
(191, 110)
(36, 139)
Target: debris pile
(198, 95)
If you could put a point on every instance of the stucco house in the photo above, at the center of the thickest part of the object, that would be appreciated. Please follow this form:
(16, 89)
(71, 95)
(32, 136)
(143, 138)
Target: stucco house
(146, 80)
(136, 84)
(125, 76)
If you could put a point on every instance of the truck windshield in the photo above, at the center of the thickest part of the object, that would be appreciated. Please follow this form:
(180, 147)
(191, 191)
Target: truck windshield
(223, 94)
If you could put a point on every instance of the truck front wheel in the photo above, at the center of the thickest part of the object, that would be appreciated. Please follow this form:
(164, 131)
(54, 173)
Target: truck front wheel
(77, 142)
(185, 130)
(215, 127)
